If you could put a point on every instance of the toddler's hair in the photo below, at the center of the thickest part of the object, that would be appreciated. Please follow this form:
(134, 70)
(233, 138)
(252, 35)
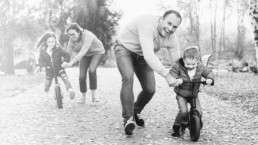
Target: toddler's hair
(191, 52)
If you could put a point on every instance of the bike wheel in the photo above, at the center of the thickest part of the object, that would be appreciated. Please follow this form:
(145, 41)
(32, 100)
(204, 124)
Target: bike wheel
(195, 128)
(58, 97)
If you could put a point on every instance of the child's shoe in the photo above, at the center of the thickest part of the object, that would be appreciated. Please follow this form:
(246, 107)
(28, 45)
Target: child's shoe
(95, 99)
(176, 132)
(82, 100)
(46, 97)
(93, 96)
(184, 125)
(71, 93)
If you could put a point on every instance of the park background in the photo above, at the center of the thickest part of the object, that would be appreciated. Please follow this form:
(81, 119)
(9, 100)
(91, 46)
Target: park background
(221, 28)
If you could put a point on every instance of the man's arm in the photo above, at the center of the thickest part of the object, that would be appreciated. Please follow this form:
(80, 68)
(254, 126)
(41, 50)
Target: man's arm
(147, 45)
(175, 71)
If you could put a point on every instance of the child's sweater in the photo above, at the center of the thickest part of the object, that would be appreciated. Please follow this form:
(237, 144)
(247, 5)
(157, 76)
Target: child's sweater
(58, 57)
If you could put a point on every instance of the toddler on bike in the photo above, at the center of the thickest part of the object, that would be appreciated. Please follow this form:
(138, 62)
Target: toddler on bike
(51, 58)
(188, 68)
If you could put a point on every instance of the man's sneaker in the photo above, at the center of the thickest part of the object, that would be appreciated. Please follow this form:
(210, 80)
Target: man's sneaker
(138, 119)
(129, 127)
(71, 93)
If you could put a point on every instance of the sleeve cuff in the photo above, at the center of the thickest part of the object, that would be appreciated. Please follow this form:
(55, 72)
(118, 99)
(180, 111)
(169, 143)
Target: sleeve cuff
(164, 72)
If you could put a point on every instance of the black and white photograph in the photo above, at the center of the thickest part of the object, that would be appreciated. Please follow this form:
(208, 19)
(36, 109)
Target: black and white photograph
(129, 72)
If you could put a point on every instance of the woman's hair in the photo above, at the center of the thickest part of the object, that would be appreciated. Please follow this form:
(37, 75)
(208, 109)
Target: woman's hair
(170, 12)
(74, 26)
(191, 52)
(43, 40)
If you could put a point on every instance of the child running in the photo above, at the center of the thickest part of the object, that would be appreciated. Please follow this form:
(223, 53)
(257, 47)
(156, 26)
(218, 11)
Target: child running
(188, 68)
(51, 58)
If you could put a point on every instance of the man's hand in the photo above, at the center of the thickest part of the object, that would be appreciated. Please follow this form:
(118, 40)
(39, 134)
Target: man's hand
(170, 80)
(179, 82)
(208, 81)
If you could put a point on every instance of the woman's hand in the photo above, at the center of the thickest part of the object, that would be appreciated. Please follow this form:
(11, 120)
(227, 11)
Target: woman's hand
(65, 64)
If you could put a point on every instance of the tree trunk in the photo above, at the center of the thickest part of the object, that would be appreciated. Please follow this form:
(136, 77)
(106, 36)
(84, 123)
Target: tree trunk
(212, 39)
(215, 30)
(198, 25)
(9, 59)
(213, 15)
(238, 28)
(222, 34)
(254, 17)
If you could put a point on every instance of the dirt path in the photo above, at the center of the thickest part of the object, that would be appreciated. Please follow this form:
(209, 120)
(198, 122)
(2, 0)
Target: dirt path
(27, 120)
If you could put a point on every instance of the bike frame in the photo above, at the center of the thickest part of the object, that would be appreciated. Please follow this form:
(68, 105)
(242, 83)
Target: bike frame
(193, 112)
(58, 93)
(194, 96)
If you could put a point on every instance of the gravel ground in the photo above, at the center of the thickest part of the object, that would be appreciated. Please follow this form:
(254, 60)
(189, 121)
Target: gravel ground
(26, 119)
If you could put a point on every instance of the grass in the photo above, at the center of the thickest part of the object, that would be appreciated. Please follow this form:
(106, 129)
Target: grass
(241, 89)
(12, 85)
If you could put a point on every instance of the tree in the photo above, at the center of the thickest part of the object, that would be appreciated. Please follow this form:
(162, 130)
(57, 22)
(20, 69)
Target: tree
(213, 17)
(7, 11)
(222, 34)
(96, 16)
(254, 17)
(241, 29)
(18, 20)
(191, 14)
(59, 12)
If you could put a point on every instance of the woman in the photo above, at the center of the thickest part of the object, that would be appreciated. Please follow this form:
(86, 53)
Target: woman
(89, 51)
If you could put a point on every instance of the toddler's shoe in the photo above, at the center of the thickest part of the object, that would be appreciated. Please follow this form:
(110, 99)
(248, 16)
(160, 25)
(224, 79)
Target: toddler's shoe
(176, 132)
(46, 97)
(71, 93)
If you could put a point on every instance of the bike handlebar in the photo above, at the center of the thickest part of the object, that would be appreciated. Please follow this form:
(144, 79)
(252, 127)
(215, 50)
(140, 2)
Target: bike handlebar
(198, 82)
(192, 82)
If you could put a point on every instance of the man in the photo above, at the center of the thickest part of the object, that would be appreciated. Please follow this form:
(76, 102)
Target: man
(135, 53)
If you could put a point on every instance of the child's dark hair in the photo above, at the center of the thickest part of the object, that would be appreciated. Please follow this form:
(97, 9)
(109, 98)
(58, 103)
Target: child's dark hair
(43, 39)
(191, 52)
(74, 26)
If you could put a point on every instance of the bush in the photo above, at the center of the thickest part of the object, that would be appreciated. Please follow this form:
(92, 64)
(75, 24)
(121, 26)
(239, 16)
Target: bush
(21, 65)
